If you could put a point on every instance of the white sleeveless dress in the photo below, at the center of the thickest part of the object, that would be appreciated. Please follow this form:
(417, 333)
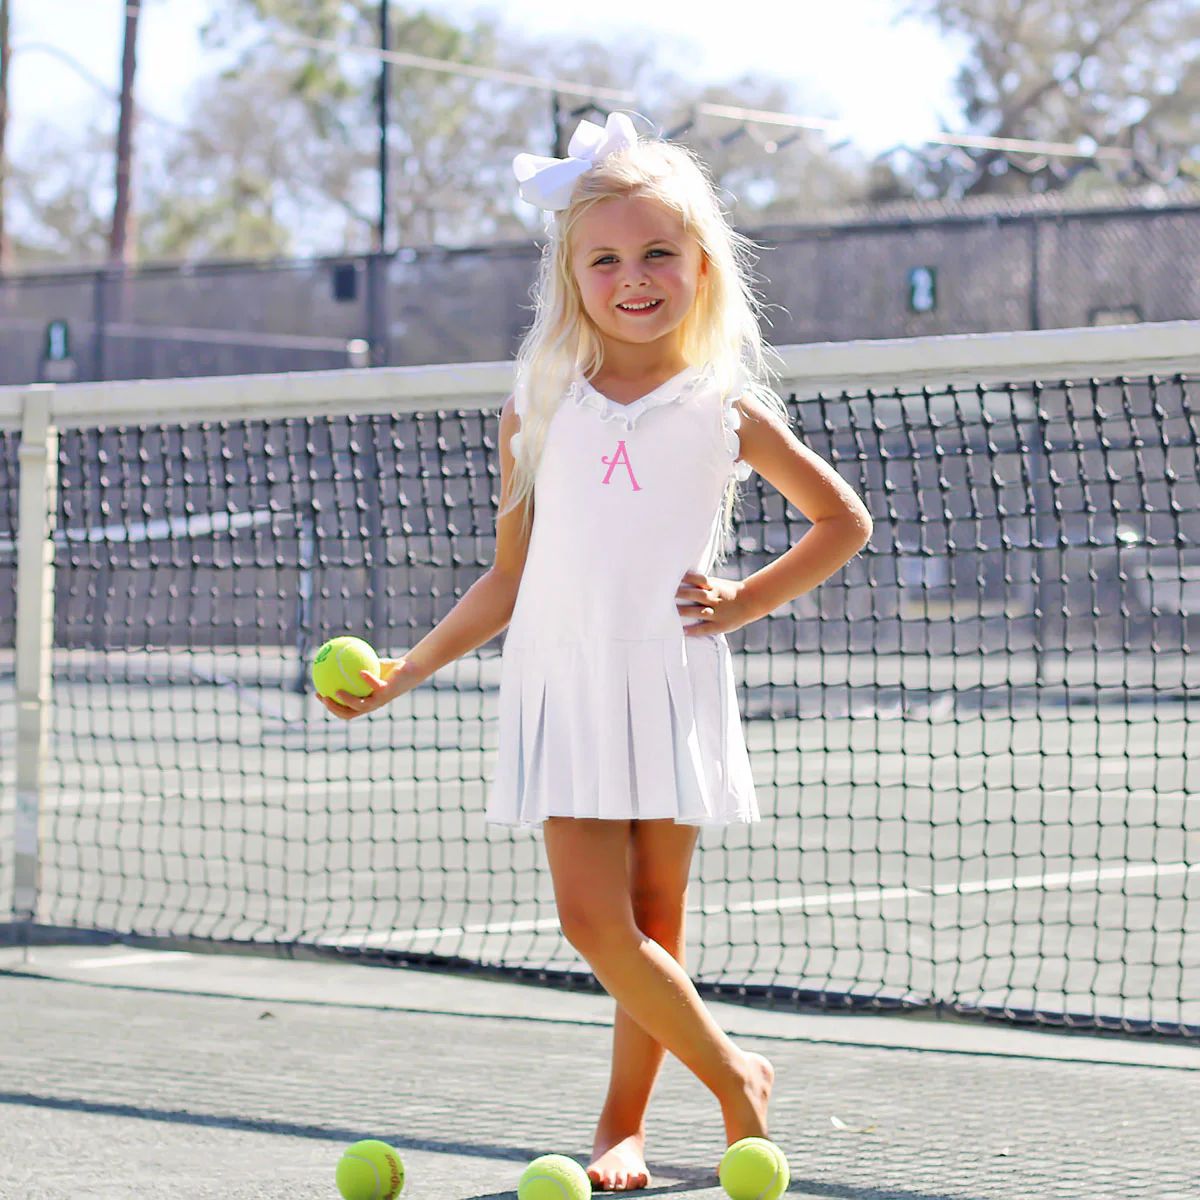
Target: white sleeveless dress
(606, 709)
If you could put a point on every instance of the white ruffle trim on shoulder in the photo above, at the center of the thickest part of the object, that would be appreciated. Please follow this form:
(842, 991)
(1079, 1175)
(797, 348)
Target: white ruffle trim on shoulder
(520, 397)
(520, 407)
(732, 420)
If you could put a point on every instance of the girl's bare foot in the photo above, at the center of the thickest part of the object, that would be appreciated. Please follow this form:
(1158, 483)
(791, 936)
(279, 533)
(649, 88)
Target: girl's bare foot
(618, 1163)
(746, 1113)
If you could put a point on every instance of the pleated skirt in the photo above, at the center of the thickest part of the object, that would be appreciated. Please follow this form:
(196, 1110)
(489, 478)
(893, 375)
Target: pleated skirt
(621, 730)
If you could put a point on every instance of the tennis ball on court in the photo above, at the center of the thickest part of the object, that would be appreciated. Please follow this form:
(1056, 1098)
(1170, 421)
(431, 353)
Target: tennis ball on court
(337, 665)
(754, 1169)
(370, 1170)
(554, 1177)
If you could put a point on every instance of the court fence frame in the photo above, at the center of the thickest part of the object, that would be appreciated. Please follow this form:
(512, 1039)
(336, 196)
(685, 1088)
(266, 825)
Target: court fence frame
(40, 412)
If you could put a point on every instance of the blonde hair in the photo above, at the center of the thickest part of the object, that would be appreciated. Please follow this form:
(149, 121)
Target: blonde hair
(721, 331)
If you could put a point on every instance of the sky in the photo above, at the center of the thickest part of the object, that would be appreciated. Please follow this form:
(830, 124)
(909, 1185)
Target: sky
(889, 82)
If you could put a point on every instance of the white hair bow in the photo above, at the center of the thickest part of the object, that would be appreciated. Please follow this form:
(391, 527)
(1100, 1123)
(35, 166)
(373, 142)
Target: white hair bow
(547, 182)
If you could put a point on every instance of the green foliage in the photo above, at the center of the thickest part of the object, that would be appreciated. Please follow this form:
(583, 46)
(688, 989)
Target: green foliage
(54, 204)
(279, 153)
(1117, 73)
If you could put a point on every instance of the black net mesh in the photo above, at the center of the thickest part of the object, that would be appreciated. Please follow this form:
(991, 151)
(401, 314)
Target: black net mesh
(972, 745)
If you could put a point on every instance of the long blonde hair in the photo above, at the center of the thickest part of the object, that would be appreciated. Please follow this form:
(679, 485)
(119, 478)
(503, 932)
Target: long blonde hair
(721, 331)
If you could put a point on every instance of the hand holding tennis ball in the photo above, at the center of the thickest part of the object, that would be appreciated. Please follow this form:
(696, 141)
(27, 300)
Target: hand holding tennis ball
(754, 1169)
(351, 679)
(370, 1170)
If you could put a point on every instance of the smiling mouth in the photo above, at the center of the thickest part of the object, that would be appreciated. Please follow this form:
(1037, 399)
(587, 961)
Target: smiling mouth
(638, 307)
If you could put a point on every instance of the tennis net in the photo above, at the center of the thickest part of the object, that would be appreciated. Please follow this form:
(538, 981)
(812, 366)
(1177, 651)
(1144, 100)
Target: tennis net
(972, 745)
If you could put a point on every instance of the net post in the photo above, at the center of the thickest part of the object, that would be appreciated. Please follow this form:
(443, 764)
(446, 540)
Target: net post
(37, 510)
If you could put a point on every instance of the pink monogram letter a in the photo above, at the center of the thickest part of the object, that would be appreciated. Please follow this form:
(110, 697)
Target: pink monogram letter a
(621, 456)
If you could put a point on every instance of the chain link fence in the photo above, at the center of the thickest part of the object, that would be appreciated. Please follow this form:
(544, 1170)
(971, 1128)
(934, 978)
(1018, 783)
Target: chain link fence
(911, 274)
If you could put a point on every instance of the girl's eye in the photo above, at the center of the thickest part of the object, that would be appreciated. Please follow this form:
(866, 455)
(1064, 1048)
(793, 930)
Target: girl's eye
(605, 258)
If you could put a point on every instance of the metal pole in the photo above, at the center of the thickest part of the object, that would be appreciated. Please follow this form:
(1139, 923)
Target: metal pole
(306, 534)
(560, 148)
(99, 321)
(377, 267)
(380, 351)
(1044, 550)
(38, 507)
(384, 88)
(1035, 274)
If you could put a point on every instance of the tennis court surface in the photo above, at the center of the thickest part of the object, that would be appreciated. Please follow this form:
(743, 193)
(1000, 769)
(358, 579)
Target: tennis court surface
(226, 1076)
(974, 750)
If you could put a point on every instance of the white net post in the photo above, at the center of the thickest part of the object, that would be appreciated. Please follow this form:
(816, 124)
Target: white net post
(38, 489)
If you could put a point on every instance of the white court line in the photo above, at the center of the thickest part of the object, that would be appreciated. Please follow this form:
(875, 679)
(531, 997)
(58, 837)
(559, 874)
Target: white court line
(70, 801)
(279, 789)
(412, 935)
(1045, 880)
(126, 960)
(338, 788)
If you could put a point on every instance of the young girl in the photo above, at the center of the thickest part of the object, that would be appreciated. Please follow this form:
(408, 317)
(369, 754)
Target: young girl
(640, 402)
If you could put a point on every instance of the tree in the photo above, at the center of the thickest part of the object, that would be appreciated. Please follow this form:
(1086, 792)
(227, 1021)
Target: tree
(54, 201)
(120, 245)
(435, 193)
(231, 184)
(1095, 73)
(5, 61)
(768, 173)
(772, 174)
(453, 137)
(279, 153)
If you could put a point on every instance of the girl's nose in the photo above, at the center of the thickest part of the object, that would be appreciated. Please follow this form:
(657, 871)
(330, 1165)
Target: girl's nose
(634, 274)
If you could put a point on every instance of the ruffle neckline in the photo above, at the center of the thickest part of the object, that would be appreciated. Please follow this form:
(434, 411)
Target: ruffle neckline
(678, 387)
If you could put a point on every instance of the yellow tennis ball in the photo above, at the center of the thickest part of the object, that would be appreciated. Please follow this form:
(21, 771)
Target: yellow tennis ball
(754, 1169)
(337, 664)
(554, 1177)
(370, 1170)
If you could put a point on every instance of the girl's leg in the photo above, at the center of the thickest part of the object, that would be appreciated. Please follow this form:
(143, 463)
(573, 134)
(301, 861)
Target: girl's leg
(589, 862)
(659, 862)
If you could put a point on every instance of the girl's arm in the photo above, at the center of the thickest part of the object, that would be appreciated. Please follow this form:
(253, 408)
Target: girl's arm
(484, 610)
(841, 524)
